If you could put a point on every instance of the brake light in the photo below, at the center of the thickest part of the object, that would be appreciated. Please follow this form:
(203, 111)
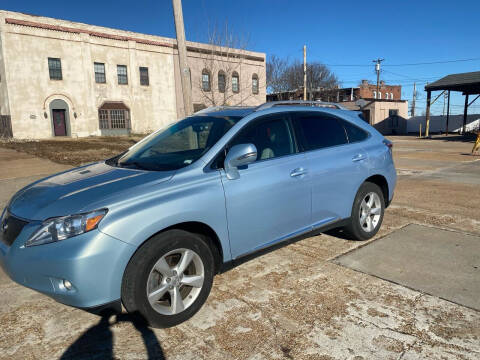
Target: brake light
(388, 143)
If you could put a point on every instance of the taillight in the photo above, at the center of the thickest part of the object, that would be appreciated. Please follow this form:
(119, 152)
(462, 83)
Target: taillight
(389, 145)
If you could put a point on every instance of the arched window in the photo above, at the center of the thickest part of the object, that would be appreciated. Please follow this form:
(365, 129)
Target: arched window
(235, 82)
(379, 94)
(206, 80)
(386, 96)
(391, 96)
(255, 84)
(221, 81)
(374, 94)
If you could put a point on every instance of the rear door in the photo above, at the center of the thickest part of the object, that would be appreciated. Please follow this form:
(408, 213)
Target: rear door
(336, 167)
(270, 202)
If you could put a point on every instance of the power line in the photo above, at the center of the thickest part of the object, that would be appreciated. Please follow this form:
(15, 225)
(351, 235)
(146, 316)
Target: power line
(409, 64)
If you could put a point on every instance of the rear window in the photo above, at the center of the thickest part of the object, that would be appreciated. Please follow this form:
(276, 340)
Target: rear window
(319, 131)
(354, 133)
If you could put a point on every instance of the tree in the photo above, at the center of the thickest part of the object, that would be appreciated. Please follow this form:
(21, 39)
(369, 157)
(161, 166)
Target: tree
(221, 81)
(276, 69)
(284, 76)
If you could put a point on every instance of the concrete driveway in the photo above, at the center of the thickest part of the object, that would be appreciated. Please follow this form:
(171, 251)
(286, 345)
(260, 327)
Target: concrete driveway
(293, 303)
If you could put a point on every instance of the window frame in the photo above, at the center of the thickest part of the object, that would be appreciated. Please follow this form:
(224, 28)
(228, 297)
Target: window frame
(95, 63)
(236, 76)
(119, 75)
(255, 89)
(207, 88)
(105, 117)
(222, 73)
(52, 71)
(144, 69)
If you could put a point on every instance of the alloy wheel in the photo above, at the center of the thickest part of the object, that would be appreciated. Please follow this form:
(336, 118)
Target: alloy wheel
(370, 212)
(175, 281)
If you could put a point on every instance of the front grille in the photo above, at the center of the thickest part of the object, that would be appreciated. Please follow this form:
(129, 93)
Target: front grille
(10, 228)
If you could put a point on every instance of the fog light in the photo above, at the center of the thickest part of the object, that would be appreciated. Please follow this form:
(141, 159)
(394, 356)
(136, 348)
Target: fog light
(67, 284)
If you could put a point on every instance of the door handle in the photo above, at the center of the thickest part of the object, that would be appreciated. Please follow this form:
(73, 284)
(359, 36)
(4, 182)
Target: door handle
(298, 172)
(358, 157)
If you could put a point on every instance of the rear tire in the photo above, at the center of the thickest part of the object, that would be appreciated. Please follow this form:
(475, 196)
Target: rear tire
(169, 278)
(367, 212)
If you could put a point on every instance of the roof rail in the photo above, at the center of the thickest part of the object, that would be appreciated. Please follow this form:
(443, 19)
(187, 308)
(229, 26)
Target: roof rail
(271, 104)
(221, 107)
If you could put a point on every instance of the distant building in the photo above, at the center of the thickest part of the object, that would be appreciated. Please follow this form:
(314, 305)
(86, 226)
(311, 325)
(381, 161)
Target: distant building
(383, 109)
(61, 78)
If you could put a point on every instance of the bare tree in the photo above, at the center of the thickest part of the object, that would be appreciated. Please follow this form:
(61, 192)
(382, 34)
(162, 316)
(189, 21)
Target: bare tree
(284, 76)
(276, 69)
(221, 79)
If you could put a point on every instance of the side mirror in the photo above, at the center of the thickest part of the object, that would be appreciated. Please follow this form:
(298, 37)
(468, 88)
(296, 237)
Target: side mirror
(239, 155)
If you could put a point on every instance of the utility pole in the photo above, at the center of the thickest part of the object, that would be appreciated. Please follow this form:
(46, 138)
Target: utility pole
(377, 69)
(304, 72)
(182, 57)
(413, 99)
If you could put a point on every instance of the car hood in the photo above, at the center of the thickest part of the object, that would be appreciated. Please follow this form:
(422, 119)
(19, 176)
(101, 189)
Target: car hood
(81, 189)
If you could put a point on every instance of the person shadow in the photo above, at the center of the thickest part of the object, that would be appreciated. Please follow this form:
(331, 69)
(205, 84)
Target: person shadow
(97, 341)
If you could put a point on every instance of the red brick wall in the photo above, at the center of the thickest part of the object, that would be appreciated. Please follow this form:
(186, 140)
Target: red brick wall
(366, 91)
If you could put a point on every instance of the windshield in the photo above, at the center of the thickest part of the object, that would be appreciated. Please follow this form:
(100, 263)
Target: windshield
(179, 145)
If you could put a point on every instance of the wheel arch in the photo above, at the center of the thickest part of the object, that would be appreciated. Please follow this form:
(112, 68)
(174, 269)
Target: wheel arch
(382, 183)
(201, 229)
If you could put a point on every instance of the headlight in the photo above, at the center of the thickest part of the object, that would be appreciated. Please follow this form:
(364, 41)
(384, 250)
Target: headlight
(61, 228)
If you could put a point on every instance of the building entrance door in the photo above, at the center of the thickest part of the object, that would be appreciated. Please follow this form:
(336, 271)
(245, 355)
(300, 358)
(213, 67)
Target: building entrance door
(59, 125)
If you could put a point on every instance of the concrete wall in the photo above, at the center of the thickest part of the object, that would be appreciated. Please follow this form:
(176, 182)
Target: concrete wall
(438, 123)
(4, 103)
(26, 43)
(380, 116)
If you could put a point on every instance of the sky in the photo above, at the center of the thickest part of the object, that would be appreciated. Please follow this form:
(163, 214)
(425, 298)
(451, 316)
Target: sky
(336, 33)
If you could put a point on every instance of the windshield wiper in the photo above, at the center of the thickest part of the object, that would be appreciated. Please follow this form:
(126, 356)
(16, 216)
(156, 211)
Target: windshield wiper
(136, 164)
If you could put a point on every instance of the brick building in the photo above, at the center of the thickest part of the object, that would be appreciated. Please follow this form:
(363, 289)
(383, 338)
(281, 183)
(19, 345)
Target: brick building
(385, 110)
(369, 91)
(365, 90)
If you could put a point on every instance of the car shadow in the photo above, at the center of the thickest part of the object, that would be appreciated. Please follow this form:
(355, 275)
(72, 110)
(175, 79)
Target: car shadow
(97, 341)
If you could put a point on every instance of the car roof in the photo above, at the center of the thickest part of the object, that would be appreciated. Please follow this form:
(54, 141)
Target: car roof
(274, 106)
(226, 111)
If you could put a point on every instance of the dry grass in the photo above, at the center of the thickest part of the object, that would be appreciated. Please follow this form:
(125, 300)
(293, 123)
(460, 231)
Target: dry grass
(74, 151)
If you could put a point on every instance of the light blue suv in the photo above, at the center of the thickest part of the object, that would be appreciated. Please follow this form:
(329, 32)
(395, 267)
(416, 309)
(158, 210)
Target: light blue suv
(150, 227)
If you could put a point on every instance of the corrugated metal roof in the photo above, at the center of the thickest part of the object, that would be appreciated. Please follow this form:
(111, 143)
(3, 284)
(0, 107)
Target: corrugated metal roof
(465, 82)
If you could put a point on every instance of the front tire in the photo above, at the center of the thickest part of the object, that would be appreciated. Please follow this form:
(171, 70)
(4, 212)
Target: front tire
(169, 278)
(367, 212)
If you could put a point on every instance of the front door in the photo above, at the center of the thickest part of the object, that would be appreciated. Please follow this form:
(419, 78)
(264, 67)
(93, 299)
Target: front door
(271, 200)
(59, 126)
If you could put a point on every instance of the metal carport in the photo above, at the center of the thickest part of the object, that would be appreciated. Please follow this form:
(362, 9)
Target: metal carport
(467, 83)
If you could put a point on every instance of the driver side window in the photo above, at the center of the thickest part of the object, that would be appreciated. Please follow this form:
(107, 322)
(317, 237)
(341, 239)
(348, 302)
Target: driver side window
(272, 137)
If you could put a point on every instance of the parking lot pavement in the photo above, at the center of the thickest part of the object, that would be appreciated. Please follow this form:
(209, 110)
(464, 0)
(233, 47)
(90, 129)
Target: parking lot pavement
(18, 169)
(293, 303)
(443, 263)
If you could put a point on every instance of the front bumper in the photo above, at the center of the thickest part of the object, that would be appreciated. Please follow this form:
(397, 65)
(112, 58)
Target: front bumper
(93, 263)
